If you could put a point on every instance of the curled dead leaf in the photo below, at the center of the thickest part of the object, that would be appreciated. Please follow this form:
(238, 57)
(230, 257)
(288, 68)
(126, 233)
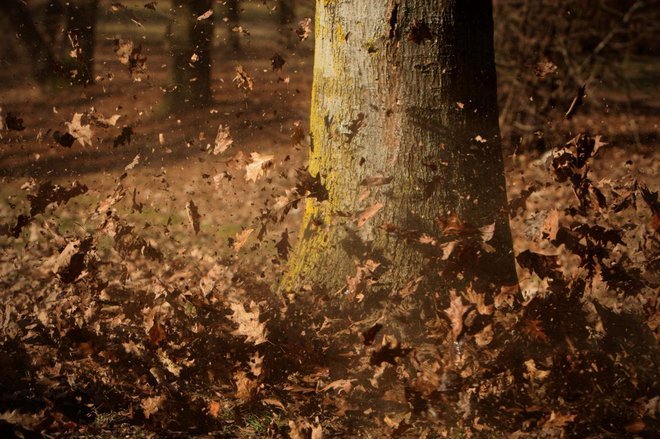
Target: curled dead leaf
(455, 312)
(368, 213)
(193, 216)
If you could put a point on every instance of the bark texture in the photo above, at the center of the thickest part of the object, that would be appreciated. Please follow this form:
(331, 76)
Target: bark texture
(406, 90)
(190, 48)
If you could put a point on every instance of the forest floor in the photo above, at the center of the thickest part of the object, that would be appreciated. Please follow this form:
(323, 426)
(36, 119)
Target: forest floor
(123, 315)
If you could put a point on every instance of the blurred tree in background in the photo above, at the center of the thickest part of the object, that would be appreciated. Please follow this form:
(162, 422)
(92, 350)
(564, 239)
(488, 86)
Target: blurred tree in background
(233, 19)
(286, 11)
(189, 35)
(80, 25)
(547, 49)
(45, 66)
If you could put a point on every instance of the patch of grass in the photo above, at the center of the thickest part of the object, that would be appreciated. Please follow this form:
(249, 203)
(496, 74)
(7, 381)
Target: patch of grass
(258, 422)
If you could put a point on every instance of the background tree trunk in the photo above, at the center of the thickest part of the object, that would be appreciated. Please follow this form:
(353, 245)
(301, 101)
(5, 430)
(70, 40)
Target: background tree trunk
(44, 64)
(404, 90)
(53, 22)
(190, 47)
(80, 32)
(286, 11)
(233, 20)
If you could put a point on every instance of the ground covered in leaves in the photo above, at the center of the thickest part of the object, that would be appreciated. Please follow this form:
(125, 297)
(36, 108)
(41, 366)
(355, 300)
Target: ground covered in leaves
(141, 252)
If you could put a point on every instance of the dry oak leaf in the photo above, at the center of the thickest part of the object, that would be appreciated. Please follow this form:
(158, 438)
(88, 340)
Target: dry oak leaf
(368, 213)
(256, 363)
(304, 28)
(447, 249)
(157, 333)
(274, 402)
(246, 388)
(213, 408)
(82, 133)
(248, 323)
(479, 300)
(455, 312)
(70, 263)
(340, 385)
(193, 215)
(533, 373)
(152, 405)
(485, 337)
(258, 166)
(131, 56)
(506, 297)
(105, 205)
(223, 140)
(304, 430)
(28, 421)
(241, 238)
(550, 225)
(362, 278)
(558, 420)
(243, 80)
(544, 69)
(105, 122)
(487, 232)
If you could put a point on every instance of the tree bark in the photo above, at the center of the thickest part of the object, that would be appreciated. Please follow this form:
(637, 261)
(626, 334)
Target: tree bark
(80, 25)
(44, 64)
(190, 48)
(404, 90)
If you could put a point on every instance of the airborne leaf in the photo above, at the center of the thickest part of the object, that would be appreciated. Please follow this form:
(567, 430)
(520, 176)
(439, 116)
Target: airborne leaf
(249, 324)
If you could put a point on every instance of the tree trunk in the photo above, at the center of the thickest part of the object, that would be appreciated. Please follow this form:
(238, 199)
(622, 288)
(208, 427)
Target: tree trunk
(233, 20)
(80, 25)
(190, 48)
(44, 64)
(286, 16)
(53, 20)
(404, 90)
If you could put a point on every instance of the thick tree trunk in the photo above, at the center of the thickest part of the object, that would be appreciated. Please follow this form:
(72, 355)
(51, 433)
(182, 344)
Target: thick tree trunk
(44, 64)
(80, 25)
(190, 47)
(404, 90)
